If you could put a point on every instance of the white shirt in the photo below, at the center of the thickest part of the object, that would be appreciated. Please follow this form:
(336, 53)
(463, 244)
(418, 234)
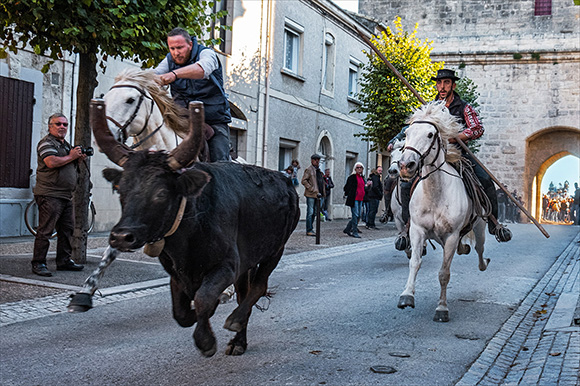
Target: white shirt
(207, 60)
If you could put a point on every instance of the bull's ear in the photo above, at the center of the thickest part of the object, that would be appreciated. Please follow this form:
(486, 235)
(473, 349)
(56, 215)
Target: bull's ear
(192, 182)
(113, 176)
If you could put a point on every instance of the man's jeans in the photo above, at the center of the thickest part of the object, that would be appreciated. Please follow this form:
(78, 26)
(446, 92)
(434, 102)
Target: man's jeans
(219, 144)
(373, 208)
(53, 213)
(355, 213)
(310, 204)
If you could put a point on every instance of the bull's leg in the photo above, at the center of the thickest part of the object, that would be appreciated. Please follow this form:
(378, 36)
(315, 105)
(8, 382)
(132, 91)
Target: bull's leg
(82, 301)
(479, 230)
(407, 298)
(182, 311)
(239, 344)
(449, 248)
(205, 302)
(238, 319)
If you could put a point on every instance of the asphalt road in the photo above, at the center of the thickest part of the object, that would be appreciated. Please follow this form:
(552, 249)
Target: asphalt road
(332, 318)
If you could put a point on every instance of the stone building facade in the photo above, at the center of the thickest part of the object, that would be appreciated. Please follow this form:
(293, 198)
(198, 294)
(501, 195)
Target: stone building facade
(524, 56)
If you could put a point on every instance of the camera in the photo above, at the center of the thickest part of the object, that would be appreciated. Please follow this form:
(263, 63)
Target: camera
(89, 151)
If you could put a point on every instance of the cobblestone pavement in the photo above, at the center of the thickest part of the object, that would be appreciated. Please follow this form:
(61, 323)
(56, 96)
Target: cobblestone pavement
(528, 348)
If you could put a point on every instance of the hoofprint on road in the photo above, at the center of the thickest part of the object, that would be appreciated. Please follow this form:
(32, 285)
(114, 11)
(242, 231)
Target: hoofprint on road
(333, 316)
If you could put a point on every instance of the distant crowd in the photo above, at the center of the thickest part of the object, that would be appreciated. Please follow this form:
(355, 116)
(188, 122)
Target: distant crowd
(559, 205)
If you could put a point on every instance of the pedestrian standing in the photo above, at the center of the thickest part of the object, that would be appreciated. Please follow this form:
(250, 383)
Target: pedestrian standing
(313, 190)
(375, 194)
(354, 190)
(56, 179)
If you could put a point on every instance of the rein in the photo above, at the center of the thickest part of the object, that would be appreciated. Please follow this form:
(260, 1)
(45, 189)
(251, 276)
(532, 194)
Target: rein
(123, 128)
(422, 156)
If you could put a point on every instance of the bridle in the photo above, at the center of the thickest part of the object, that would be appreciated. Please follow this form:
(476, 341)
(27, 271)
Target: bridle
(123, 128)
(422, 156)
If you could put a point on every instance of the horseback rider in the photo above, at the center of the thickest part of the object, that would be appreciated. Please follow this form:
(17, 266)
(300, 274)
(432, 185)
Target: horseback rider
(195, 74)
(473, 129)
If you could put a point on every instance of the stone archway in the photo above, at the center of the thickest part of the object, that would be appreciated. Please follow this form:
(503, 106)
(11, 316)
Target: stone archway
(543, 148)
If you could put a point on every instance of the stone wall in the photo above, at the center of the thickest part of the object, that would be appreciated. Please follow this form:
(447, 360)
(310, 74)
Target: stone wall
(526, 68)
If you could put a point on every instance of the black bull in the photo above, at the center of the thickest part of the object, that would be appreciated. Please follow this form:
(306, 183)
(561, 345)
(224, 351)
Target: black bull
(236, 222)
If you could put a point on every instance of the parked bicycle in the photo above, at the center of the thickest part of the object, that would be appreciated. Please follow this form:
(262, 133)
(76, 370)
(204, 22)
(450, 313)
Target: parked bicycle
(31, 217)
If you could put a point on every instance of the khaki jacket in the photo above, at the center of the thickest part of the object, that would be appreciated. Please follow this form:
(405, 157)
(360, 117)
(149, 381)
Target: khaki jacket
(310, 184)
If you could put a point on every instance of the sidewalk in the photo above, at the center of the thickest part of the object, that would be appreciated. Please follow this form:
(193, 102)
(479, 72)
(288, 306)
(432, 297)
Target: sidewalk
(134, 270)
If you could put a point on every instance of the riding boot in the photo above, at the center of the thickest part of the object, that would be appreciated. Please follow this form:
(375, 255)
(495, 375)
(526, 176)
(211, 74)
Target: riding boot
(402, 240)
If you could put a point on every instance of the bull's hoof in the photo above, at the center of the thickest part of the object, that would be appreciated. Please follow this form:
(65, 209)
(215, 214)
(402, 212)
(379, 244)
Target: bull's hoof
(210, 352)
(233, 325)
(235, 349)
(80, 302)
(406, 301)
(441, 316)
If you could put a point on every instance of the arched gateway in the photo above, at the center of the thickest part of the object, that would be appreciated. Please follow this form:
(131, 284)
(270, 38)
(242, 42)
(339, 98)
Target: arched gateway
(543, 148)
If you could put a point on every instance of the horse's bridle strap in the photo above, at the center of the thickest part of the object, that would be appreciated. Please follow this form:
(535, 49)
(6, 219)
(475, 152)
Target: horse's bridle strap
(123, 128)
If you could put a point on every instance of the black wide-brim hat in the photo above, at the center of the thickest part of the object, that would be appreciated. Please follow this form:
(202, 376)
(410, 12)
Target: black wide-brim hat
(445, 74)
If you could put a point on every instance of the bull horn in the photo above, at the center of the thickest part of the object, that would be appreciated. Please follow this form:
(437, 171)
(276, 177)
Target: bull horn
(188, 150)
(115, 151)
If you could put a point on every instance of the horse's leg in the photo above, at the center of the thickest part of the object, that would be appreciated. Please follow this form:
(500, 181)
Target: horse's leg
(479, 230)
(407, 298)
(449, 248)
(82, 302)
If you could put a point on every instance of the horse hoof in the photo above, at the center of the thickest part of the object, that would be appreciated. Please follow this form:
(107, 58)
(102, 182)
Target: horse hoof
(406, 301)
(441, 316)
(463, 249)
(80, 302)
(485, 264)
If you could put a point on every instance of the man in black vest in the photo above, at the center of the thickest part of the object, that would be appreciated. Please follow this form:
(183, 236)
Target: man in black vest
(195, 74)
(473, 129)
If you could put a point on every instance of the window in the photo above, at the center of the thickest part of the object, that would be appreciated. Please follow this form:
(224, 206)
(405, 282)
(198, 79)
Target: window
(329, 62)
(293, 46)
(288, 149)
(349, 164)
(217, 30)
(543, 7)
(353, 72)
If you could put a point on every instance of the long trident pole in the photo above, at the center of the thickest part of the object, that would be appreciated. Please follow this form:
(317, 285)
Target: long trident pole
(459, 141)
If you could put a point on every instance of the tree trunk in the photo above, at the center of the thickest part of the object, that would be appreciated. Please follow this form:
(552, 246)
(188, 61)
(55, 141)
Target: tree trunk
(85, 90)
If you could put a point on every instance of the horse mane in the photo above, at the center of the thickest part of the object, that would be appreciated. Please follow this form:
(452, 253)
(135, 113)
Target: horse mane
(448, 125)
(175, 116)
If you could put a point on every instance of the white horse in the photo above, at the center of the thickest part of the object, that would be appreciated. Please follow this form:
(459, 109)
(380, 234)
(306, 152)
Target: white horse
(440, 207)
(396, 206)
(139, 108)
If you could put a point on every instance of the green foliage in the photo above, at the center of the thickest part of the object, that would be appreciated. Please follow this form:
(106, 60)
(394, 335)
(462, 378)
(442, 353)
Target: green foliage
(385, 99)
(126, 29)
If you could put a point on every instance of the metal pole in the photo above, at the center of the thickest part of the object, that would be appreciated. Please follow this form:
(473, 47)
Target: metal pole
(317, 220)
(459, 141)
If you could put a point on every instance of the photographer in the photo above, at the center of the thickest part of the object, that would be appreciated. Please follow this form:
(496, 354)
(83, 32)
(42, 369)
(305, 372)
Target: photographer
(56, 179)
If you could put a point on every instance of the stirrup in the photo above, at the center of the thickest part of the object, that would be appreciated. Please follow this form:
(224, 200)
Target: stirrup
(502, 234)
(401, 242)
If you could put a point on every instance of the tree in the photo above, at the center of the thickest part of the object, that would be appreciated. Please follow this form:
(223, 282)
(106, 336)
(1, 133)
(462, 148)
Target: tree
(385, 99)
(125, 29)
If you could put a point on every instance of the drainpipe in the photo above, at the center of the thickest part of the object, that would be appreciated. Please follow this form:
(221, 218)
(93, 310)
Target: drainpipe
(267, 80)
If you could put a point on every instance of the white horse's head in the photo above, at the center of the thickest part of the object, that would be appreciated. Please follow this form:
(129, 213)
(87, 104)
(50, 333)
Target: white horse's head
(396, 155)
(137, 105)
(430, 128)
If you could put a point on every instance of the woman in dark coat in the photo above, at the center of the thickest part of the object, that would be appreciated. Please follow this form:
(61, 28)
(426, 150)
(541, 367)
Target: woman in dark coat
(354, 190)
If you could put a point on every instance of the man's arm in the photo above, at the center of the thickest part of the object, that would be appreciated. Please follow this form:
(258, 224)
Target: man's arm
(202, 69)
(474, 129)
(54, 161)
(306, 179)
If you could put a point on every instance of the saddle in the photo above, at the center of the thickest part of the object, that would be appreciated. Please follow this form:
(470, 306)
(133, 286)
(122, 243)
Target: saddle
(481, 205)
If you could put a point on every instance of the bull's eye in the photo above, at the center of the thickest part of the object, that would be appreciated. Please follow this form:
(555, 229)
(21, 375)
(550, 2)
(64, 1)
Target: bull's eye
(430, 135)
(130, 101)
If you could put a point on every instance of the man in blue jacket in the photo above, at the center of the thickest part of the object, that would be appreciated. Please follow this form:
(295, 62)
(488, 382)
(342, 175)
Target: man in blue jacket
(195, 74)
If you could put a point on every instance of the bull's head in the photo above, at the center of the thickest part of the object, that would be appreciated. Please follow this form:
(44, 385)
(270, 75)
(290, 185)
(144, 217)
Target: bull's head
(151, 184)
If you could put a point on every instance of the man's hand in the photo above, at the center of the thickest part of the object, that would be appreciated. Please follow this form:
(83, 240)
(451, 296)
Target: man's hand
(165, 79)
(461, 136)
(390, 147)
